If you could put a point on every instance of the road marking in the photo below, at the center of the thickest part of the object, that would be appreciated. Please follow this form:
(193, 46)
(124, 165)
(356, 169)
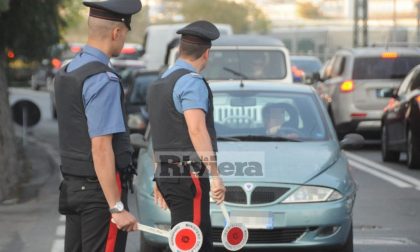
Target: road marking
(62, 218)
(58, 246)
(402, 176)
(385, 241)
(390, 179)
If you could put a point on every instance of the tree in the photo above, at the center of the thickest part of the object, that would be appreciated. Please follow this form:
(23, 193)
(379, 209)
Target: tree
(27, 28)
(244, 17)
(309, 10)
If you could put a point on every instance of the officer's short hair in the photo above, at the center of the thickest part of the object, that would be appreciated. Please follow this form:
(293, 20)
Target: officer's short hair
(192, 50)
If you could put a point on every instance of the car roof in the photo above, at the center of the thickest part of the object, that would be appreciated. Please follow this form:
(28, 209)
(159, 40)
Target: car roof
(247, 40)
(375, 51)
(299, 57)
(221, 86)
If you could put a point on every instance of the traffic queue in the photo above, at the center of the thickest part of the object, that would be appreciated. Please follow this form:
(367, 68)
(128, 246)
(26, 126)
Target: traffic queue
(280, 124)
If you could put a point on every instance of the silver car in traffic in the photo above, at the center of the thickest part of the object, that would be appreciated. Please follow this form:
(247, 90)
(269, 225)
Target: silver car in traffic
(355, 82)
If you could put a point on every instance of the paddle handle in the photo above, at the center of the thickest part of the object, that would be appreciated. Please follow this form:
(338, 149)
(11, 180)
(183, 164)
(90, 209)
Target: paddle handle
(225, 212)
(152, 230)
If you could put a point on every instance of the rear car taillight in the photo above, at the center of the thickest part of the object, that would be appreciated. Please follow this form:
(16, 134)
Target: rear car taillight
(347, 86)
(418, 101)
(56, 63)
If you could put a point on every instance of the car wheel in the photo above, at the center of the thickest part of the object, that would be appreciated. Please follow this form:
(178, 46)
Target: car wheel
(348, 246)
(146, 246)
(387, 155)
(413, 159)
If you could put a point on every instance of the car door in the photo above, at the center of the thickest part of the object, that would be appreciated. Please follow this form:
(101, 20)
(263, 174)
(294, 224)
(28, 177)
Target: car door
(397, 113)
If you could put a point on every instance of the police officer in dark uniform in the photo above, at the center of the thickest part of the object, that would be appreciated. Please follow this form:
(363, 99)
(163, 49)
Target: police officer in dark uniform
(95, 147)
(180, 107)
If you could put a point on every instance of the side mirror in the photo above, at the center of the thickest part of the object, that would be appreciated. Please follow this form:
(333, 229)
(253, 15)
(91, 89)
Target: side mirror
(316, 77)
(137, 140)
(45, 62)
(352, 142)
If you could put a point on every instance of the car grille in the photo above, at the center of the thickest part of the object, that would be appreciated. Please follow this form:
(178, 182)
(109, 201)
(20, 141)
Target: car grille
(235, 194)
(259, 236)
(262, 195)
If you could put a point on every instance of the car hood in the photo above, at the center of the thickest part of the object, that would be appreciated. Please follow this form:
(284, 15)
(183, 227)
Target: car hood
(284, 162)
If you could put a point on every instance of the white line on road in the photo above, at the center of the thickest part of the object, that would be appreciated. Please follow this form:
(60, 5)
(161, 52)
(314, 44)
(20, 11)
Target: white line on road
(394, 241)
(402, 176)
(390, 179)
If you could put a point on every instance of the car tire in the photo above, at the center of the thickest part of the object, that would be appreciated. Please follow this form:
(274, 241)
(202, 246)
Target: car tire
(348, 246)
(146, 246)
(388, 155)
(413, 158)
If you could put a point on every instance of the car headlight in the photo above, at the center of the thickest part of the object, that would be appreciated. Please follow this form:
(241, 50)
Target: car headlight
(310, 194)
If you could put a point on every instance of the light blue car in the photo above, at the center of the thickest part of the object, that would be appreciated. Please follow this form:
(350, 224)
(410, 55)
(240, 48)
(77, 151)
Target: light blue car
(286, 177)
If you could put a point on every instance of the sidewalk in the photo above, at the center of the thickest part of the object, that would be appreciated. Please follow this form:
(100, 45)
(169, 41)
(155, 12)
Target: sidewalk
(25, 222)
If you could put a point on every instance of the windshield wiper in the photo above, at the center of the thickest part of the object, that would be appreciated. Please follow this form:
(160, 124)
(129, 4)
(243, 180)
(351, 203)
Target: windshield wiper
(256, 138)
(228, 139)
(243, 76)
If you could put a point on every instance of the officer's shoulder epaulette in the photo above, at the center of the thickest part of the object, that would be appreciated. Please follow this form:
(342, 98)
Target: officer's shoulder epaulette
(196, 75)
(112, 76)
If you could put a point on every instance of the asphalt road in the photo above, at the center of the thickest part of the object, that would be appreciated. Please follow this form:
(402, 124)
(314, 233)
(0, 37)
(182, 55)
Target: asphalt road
(386, 214)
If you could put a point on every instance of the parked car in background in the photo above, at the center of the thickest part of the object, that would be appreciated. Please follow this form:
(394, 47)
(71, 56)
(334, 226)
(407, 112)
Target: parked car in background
(49, 66)
(297, 192)
(249, 58)
(304, 66)
(157, 38)
(401, 121)
(354, 87)
(138, 85)
(130, 57)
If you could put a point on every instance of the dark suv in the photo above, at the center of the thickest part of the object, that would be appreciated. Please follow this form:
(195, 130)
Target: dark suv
(355, 82)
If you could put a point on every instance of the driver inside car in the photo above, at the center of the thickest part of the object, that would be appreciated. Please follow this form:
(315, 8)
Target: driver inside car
(274, 119)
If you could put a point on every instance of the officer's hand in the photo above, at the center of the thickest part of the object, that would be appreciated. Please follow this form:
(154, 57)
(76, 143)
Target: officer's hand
(159, 200)
(125, 221)
(217, 189)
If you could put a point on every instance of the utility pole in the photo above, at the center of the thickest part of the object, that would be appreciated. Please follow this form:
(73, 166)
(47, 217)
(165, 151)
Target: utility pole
(360, 30)
(418, 20)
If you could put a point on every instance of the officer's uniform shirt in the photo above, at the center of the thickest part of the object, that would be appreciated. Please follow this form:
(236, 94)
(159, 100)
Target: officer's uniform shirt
(190, 91)
(101, 95)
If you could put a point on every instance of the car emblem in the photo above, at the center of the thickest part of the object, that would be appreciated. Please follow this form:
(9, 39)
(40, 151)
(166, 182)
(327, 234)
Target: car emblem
(248, 187)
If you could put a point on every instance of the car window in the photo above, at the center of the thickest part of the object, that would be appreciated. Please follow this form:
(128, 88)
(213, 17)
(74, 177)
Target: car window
(383, 68)
(338, 66)
(267, 113)
(309, 66)
(406, 84)
(415, 83)
(245, 64)
(140, 87)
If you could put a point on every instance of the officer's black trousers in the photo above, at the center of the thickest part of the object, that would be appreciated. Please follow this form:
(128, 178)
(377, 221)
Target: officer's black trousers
(88, 220)
(188, 198)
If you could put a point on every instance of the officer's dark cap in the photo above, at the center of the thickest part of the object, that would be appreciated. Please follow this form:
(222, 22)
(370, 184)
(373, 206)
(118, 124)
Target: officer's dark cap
(114, 10)
(199, 32)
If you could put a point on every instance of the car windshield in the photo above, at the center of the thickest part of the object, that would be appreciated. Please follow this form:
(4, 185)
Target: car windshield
(309, 66)
(268, 116)
(245, 64)
(140, 87)
(383, 68)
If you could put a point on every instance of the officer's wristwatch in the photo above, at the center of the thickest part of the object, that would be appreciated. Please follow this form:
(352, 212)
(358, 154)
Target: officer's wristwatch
(118, 208)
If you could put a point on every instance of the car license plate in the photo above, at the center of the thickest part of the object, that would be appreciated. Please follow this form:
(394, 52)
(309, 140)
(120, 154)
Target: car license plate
(253, 220)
